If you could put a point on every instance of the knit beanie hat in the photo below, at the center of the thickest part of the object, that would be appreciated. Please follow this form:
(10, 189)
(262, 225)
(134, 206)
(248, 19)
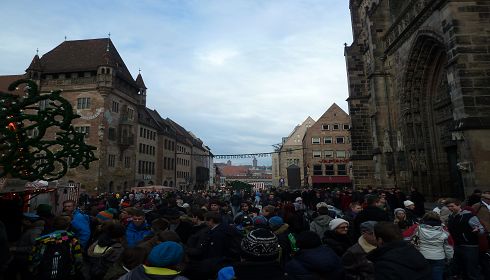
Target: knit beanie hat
(260, 245)
(105, 215)
(260, 222)
(407, 203)
(165, 254)
(398, 210)
(275, 222)
(336, 222)
(321, 204)
(367, 226)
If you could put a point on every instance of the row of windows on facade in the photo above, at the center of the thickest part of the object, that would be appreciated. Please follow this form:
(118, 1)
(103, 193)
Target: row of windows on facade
(330, 154)
(329, 140)
(75, 75)
(183, 174)
(181, 149)
(335, 126)
(148, 134)
(330, 169)
(147, 149)
(168, 163)
(69, 75)
(85, 129)
(146, 167)
(183, 161)
(169, 145)
(111, 161)
(85, 102)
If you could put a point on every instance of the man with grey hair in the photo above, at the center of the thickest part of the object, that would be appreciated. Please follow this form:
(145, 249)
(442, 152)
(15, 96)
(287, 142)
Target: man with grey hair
(356, 265)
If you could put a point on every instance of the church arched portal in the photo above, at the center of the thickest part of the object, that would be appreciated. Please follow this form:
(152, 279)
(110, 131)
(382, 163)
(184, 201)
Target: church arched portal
(426, 118)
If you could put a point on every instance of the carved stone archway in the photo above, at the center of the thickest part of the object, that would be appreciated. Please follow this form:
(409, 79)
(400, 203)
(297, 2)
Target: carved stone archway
(426, 116)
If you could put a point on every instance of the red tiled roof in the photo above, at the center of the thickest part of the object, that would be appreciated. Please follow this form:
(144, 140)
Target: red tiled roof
(85, 55)
(228, 171)
(5, 81)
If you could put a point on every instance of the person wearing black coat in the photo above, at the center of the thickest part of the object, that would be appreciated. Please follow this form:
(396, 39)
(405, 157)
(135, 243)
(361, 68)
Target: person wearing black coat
(219, 245)
(371, 213)
(313, 261)
(355, 263)
(259, 251)
(396, 259)
(338, 238)
(419, 201)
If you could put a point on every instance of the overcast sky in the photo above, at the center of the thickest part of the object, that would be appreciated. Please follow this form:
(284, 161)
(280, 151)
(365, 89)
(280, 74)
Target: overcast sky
(238, 74)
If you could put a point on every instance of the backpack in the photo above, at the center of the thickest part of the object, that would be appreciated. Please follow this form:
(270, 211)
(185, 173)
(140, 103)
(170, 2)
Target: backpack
(99, 265)
(57, 262)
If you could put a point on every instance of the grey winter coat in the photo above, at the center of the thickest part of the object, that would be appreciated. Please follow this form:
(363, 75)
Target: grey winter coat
(433, 242)
(320, 224)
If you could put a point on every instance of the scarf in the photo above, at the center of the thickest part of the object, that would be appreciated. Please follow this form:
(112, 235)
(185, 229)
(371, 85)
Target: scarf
(365, 245)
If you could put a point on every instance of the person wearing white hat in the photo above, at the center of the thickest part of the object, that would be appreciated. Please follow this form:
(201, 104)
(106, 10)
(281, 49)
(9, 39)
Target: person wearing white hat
(409, 204)
(410, 212)
(337, 237)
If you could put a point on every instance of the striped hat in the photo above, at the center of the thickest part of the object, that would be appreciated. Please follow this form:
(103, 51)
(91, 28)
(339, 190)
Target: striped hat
(105, 216)
(260, 244)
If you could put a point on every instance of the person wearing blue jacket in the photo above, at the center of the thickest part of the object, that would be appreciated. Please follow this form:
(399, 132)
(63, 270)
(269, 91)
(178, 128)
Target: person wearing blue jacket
(80, 223)
(137, 229)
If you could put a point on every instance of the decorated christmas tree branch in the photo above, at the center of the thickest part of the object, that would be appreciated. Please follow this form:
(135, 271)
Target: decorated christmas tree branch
(25, 152)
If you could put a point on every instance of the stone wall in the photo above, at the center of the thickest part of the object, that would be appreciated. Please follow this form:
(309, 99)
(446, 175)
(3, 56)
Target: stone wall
(419, 92)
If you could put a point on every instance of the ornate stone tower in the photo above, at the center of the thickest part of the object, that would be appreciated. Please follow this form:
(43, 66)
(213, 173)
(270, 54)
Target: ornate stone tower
(418, 95)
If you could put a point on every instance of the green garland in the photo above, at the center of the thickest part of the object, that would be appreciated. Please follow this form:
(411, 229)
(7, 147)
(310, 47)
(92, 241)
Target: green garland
(24, 151)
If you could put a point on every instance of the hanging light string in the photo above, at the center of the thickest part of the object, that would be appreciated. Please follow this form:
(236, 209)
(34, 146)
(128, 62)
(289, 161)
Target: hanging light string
(240, 156)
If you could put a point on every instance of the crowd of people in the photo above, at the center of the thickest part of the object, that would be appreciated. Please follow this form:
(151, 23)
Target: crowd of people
(269, 234)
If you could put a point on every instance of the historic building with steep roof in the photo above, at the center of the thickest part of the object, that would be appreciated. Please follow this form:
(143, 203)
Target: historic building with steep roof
(135, 145)
(96, 81)
(419, 95)
(290, 153)
(326, 150)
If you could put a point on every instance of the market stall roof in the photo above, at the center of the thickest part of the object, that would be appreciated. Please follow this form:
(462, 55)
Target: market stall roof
(11, 185)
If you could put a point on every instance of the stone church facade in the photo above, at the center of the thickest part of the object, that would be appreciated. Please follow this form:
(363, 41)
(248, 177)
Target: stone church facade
(419, 95)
